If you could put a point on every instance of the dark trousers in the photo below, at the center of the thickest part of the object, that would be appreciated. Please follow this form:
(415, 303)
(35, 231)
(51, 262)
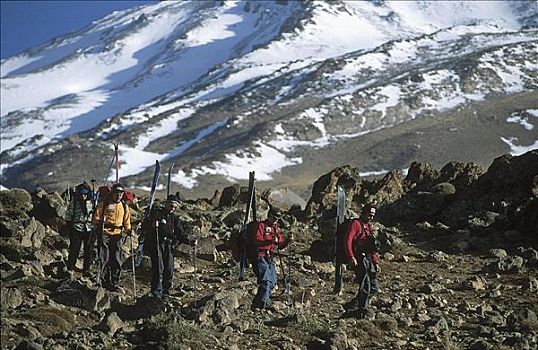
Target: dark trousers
(76, 240)
(110, 256)
(368, 284)
(162, 269)
(265, 271)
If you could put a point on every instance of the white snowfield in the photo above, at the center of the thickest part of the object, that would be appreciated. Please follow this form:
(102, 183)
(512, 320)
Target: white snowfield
(133, 65)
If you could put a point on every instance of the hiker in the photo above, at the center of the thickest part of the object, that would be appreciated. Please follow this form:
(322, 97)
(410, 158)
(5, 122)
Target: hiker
(166, 228)
(111, 219)
(266, 235)
(79, 218)
(361, 251)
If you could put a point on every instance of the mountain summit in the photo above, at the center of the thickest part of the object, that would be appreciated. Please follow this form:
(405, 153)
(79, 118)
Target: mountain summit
(286, 88)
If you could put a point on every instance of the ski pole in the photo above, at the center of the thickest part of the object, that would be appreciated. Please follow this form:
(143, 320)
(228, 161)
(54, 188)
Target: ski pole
(159, 259)
(194, 277)
(282, 269)
(99, 243)
(133, 267)
(288, 284)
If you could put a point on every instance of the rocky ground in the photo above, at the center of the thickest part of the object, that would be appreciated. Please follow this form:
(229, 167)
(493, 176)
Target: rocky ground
(459, 271)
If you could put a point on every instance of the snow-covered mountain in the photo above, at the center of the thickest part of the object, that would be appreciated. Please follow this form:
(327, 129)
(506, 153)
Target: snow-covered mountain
(286, 88)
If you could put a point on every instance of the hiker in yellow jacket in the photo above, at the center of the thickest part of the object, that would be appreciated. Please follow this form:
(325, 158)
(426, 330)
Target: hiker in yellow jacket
(111, 219)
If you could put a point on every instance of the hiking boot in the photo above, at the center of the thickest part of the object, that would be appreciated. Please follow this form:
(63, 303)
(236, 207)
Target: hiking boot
(368, 315)
(115, 288)
(354, 313)
(269, 308)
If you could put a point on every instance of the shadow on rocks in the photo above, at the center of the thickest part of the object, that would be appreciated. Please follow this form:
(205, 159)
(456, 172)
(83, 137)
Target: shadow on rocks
(144, 307)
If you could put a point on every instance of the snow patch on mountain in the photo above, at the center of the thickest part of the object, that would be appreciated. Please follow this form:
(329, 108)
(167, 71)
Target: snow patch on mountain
(264, 158)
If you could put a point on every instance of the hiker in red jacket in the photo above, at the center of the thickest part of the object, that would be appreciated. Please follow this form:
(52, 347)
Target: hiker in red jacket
(361, 252)
(267, 235)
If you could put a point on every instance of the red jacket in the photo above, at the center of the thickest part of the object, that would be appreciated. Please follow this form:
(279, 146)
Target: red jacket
(358, 231)
(264, 239)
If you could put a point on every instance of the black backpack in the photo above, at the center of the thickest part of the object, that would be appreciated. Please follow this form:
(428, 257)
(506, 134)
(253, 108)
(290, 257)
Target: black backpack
(237, 242)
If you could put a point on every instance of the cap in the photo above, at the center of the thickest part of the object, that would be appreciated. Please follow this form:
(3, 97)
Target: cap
(370, 209)
(274, 213)
(172, 199)
(83, 190)
(118, 188)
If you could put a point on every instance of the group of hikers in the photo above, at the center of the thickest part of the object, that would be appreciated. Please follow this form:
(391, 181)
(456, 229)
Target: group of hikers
(108, 222)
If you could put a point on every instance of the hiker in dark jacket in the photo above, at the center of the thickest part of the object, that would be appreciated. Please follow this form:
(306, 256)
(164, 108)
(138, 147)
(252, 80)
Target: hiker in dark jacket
(79, 218)
(267, 236)
(166, 228)
(362, 256)
(112, 218)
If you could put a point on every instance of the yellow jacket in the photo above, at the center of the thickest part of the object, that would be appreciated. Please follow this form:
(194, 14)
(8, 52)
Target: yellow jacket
(114, 217)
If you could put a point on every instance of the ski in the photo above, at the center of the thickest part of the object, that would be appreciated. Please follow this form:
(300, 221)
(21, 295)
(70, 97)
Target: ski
(154, 183)
(250, 205)
(338, 241)
(117, 156)
(169, 178)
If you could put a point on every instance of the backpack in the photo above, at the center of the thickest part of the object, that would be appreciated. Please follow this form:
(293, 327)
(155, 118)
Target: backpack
(237, 243)
(369, 246)
(341, 232)
(104, 196)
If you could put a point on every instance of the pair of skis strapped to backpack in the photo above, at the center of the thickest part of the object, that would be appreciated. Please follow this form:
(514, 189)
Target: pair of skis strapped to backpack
(250, 211)
(340, 218)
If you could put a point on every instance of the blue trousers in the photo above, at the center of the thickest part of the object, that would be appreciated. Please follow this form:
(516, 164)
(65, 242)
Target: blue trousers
(265, 271)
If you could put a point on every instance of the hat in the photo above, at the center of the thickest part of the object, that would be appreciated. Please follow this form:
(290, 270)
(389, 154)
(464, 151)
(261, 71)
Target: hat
(172, 199)
(83, 190)
(274, 213)
(118, 188)
(370, 209)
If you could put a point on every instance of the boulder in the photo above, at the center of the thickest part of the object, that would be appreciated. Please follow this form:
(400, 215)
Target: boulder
(28, 345)
(284, 198)
(324, 190)
(421, 176)
(79, 294)
(110, 324)
(460, 175)
(206, 249)
(230, 196)
(15, 200)
(220, 307)
(50, 209)
(11, 298)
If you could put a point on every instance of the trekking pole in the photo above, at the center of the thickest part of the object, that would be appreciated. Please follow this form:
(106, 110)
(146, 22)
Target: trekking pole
(157, 241)
(194, 277)
(99, 243)
(288, 285)
(133, 267)
(282, 268)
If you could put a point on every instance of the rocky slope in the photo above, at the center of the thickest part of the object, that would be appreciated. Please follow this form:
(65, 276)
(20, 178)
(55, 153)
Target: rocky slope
(292, 89)
(459, 270)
